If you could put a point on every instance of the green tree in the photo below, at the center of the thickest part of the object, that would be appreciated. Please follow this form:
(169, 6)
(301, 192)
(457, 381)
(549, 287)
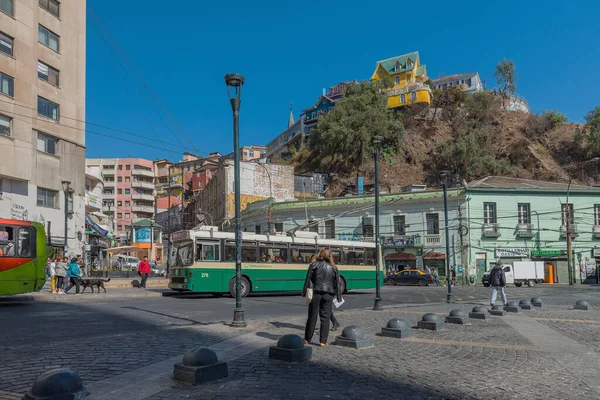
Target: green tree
(592, 132)
(506, 77)
(555, 119)
(449, 101)
(342, 138)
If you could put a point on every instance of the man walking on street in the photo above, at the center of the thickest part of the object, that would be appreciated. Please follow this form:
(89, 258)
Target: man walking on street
(498, 282)
(144, 270)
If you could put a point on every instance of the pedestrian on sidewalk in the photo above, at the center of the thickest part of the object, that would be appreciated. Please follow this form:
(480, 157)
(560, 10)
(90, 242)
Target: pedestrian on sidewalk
(53, 275)
(61, 273)
(498, 282)
(74, 274)
(335, 323)
(144, 270)
(323, 278)
(436, 276)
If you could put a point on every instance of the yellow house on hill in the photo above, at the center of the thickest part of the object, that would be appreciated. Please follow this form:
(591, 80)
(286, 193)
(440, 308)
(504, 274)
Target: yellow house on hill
(408, 76)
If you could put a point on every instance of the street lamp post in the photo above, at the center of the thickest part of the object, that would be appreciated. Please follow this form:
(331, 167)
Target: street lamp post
(66, 188)
(449, 298)
(234, 84)
(572, 274)
(376, 141)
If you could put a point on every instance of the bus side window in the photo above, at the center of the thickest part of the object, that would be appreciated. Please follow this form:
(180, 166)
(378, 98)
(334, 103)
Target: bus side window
(273, 252)
(249, 253)
(26, 242)
(7, 241)
(355, 256)
(371, 256)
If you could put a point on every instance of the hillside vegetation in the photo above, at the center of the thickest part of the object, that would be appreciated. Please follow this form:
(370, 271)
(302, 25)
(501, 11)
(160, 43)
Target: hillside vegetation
(469, 135)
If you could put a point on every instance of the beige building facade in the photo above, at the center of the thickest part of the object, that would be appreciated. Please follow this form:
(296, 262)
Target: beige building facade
(42, 115)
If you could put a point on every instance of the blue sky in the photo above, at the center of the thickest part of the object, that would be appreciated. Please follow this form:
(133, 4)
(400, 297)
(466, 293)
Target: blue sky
(290, 51)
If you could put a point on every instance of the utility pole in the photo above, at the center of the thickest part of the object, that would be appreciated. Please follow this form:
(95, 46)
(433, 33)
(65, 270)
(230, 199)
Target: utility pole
(168, 218)
(449, 298)
(460, 238)
(377, 140)
(569, 238)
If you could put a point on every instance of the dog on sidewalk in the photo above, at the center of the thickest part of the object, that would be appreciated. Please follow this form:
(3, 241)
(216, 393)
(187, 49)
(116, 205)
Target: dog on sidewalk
(98, 282)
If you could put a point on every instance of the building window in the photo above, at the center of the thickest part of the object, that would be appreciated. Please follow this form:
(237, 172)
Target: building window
(257, 229)
(330, 229)
(120, 215)
(48, 38)
(410, 64)
(524, 213)
(278, 226)
(5, 125)
(119, 179)
(402, 98)
(7, 84)
(127, 216)
(127, 191)
(433, 224)
(397, 67)
(46, 144)
(399, 224)
(367, 226)
(119, 191)
(489, 213)
(8, 6)
(128, 167)
(397, 80)
(119, 203)
(47, 198)
(565, 211)
(47, 73)
(48, 109)
(127, 179)
(127, 204)
(6, 43)
(413, 96)
(597, 214)
(120, 168)
(52, 6)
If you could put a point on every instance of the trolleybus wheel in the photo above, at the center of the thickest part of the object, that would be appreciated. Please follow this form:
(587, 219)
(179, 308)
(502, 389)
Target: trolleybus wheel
(245, 287)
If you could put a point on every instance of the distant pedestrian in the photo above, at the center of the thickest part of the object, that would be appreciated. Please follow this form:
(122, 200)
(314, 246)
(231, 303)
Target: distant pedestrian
(335, 323)
(453, 276)
(436, 276)
(498, 282)
(144, 270)
(61, 273)
(74, 274)
(52, 271)
(324, 280)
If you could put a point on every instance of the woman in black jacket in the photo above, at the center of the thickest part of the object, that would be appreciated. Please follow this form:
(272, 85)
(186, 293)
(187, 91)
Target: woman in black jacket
(323, 278)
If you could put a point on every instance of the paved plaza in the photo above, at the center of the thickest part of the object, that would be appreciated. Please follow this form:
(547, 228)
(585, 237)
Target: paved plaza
(125, 348)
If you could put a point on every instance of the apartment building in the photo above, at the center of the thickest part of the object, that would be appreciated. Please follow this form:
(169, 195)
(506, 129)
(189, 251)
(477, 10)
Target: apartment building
(42, 116)
(128, 194)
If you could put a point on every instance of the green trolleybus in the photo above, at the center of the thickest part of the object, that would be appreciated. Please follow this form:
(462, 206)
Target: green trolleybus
(203, 260)
(23, 254)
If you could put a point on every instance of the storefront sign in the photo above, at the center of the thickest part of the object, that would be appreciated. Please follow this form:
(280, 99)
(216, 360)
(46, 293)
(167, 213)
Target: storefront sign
(178, 236)
(57, 241)
(539, 253)
(100, 242)
(514, 253)
(399, 241)
(143, 235)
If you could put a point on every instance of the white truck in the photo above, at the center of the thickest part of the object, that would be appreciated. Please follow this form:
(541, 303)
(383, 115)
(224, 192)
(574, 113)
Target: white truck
(519, 273)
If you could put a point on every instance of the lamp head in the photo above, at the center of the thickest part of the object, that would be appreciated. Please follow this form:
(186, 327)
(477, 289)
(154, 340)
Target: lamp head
(65, 185)
(235, 81)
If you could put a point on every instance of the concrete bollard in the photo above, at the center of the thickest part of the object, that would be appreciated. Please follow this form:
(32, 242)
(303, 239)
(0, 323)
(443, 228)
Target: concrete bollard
(397, 328)
(582, 305)
(525, 305)
(457, 317)
(478, 313)
(498, 311)
(430, 321)
(290, 348)
(511, 306)
(200, 365)
(57, 384)
(536, 302)
(353, 336)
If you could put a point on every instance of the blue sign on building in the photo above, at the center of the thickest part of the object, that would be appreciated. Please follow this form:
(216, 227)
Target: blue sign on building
(143, 235)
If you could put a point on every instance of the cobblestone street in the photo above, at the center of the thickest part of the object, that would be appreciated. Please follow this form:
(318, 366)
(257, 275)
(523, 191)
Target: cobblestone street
(528, 355)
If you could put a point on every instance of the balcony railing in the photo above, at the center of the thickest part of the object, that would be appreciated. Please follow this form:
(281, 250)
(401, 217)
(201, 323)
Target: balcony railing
(143, 209)
(142, 196)
(142, 184)
(525, 230)
(109, 183)
(572, 230)
(491, 230)
(142, 172)
(432, 239)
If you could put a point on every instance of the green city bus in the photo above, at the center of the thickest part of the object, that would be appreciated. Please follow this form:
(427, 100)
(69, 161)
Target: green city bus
(23, 254)
(203, 261)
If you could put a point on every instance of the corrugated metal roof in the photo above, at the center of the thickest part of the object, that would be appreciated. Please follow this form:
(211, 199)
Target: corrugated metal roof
(504, 182)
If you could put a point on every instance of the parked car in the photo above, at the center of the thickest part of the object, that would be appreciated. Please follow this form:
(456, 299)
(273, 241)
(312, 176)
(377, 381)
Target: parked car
(411, 277)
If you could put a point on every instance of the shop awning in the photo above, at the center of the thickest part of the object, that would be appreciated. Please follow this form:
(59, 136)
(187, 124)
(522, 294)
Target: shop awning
(434, 255)
(95, 225)
(400, 257)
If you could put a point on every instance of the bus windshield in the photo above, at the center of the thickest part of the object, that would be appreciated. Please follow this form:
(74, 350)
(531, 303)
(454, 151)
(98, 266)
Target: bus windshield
(182, 254)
